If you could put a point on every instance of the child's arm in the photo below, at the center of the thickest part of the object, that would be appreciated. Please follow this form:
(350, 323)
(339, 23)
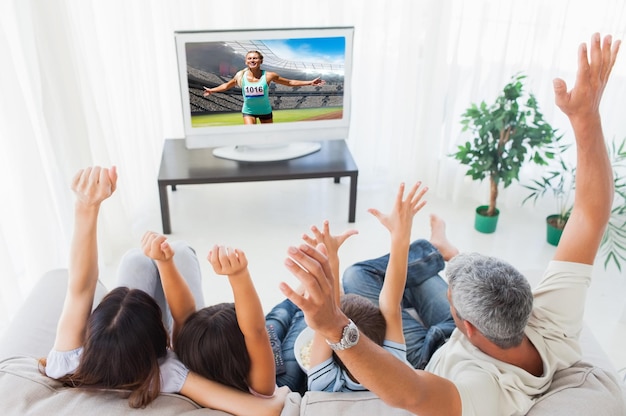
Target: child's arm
(399, 223)
(332, 244)
(234, 264)
(177, 293)
(214, 395)
(91, 186)
(320, 351)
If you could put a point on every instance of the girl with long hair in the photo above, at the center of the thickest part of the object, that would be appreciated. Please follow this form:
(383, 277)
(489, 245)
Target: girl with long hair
(123, 343)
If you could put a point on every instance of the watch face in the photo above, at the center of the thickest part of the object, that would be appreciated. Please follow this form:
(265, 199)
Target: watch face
(352, 335)
(349, 338)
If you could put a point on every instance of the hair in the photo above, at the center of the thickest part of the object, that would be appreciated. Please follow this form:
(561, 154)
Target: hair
(492, 295)
(257, 52)
(211, 344)
(367, 316)
(124, 340)
(239, 74)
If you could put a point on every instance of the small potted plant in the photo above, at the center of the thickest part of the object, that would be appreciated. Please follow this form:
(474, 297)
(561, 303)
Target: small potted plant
(613, 245)
(506, 135)
(559, 181)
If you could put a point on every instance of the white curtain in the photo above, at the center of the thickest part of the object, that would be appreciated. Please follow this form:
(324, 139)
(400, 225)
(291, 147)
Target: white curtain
(86, 82)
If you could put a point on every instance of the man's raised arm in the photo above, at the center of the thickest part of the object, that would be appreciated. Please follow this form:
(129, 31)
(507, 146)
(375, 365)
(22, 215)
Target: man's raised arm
(416, 391)
(594, 177)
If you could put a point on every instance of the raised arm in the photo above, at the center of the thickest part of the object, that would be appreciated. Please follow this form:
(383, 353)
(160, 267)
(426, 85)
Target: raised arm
(399, 223)
(91, 186)
(234, 264)
(177, 293)
(418, 391)
(273, 76)
(594, 177)
(214, 395)
(220, 88)
(320, 351)
(332, 244)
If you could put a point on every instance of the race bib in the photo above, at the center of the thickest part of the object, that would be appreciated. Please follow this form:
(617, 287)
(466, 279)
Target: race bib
(254, 91)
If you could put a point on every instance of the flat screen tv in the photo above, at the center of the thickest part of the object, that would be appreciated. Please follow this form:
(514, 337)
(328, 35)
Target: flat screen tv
(303, 113)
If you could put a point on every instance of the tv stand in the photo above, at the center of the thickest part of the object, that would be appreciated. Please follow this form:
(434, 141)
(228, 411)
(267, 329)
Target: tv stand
(182, 166)
(267, 152)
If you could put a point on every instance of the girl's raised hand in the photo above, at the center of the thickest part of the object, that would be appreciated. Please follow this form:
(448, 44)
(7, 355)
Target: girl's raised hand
(226, 260)
(93, 185)
(155, 246)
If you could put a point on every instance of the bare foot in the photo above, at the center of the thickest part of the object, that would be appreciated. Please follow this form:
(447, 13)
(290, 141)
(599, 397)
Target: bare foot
(439, 239)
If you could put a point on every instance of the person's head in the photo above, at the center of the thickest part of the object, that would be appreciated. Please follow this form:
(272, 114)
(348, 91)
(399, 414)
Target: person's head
(124, 340)
(211, 344)
(254, 56)
(491, 295)
(366, 316)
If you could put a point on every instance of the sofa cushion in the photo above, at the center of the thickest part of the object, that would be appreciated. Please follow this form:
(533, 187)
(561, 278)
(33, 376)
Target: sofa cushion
(41, 395)
(582, 390)
(32, 331)
(315, 403)
(36, 394)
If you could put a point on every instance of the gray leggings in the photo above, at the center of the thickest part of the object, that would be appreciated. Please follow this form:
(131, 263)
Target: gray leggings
(138, 271)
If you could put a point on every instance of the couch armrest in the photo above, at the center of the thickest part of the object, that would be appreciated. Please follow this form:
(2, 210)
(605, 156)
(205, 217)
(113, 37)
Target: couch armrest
(32, 331)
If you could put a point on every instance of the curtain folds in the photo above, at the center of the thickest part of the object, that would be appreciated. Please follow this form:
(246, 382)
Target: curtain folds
(94, 82)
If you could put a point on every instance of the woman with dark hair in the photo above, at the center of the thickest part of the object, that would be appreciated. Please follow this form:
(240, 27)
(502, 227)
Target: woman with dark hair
(123, 343)
(254, 83)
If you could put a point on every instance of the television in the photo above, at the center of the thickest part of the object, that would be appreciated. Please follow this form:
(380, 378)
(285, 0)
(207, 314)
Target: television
(302, 116)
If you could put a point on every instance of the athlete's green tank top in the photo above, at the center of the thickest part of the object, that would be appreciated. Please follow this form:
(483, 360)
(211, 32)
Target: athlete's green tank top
(256, 99)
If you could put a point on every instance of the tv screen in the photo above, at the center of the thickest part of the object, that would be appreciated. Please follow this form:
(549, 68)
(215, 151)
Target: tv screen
(227, 78)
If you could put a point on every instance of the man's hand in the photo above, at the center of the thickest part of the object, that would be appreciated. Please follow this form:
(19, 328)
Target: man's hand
(593, 73)
(310, 266)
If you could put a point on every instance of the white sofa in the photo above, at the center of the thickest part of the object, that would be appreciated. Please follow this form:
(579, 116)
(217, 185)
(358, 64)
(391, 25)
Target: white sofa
(590, 387)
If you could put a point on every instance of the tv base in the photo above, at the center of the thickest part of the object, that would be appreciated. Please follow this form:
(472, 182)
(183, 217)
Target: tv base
(267, 152)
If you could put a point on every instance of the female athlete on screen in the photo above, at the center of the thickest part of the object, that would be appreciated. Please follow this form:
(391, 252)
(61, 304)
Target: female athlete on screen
(254, 83)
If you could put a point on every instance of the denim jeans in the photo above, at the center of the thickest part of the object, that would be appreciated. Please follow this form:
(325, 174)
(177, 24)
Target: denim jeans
(425, 292)
(288, 321)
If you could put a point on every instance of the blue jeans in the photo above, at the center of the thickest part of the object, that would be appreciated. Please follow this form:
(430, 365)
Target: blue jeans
(425, 292)
(288, 321)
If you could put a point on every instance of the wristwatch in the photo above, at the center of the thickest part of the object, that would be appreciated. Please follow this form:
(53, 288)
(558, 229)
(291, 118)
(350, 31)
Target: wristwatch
(349, 338)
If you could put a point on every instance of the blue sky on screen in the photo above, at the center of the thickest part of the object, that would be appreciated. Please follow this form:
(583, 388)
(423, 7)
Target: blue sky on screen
(331, 50)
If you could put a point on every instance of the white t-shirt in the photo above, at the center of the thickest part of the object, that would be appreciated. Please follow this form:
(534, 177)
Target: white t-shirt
(489, 387)
(173, 372)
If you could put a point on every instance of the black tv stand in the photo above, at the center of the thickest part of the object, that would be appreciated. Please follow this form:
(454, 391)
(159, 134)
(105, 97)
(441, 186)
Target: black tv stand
(182, 166)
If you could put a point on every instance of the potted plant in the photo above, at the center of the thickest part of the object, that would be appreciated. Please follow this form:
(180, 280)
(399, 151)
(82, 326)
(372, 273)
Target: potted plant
(613, 245)
(559, 181)
(506, 134)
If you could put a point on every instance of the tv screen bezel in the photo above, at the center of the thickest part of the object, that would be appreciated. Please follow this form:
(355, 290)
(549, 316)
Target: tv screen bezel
(263, 134)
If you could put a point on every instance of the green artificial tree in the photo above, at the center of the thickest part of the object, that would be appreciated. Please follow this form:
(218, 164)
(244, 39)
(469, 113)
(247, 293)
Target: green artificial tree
(506, 135)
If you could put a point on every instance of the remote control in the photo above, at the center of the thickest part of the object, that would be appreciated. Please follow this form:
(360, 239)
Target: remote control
(278, 355)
